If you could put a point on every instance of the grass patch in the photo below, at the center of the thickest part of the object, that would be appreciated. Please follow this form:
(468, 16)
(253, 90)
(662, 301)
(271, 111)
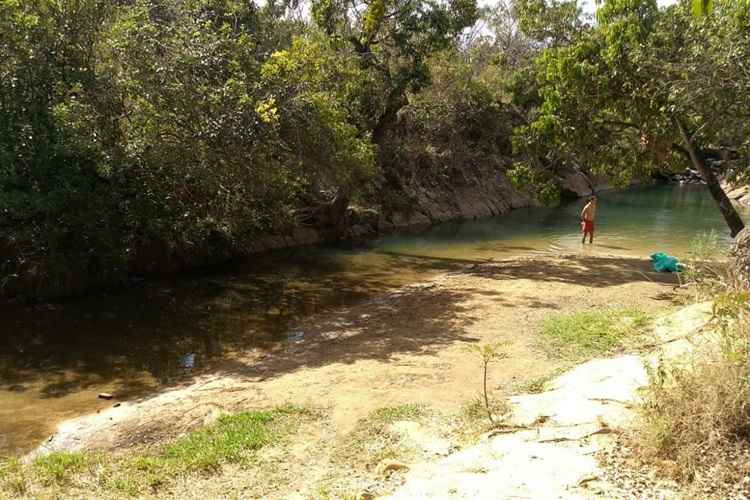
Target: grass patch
(388, 415)
(233, 439)
(229, 440)
(12, 476)
(540, 384)
(371, 442)
(592, 333)
(58, 467)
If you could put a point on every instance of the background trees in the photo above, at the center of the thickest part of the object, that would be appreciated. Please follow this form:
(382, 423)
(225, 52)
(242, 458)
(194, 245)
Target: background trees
(645, 90)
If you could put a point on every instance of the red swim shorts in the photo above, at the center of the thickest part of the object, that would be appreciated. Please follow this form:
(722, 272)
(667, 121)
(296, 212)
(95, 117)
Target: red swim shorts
(587, 226)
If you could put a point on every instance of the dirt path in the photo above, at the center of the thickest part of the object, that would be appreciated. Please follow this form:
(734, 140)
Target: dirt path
(402, 347)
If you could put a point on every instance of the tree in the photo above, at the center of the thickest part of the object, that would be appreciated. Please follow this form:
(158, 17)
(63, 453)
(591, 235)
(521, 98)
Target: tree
(393, 39)
(647, 89)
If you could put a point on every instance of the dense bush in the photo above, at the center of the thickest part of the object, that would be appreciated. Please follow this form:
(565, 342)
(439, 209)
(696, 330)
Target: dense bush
(144, 134)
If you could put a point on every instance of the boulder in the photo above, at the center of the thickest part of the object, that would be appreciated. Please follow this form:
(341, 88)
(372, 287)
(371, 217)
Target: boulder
(574, 185)
(740, 257)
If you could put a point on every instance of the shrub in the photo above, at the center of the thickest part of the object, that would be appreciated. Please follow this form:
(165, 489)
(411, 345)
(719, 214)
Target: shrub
(697, 412)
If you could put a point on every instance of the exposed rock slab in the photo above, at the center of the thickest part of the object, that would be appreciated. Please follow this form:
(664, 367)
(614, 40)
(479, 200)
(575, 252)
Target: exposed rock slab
(549, 449)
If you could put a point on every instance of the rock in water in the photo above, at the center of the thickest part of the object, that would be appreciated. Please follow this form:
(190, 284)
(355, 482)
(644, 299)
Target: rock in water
(105, 395)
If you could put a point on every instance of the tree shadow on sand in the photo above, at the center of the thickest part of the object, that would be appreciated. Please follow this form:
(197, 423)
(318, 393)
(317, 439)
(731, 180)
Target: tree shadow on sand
(423, 320)
(596, 272)
(411, 321)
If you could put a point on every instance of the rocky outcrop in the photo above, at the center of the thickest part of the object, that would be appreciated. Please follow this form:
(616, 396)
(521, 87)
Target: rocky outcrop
(740, 258)
(740, 195)
(488, 193)
(574, 184)
(549, 446)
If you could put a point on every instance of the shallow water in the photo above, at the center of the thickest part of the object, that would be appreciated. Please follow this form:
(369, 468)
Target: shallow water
(55, 359)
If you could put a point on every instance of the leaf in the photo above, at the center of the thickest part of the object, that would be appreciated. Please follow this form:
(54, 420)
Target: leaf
(702, 7)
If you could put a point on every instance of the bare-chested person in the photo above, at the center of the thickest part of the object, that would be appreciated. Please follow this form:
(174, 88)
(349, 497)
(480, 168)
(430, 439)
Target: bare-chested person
(588, 214)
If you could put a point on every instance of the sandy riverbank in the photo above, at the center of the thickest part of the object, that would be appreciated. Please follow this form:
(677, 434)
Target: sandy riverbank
(402, 347)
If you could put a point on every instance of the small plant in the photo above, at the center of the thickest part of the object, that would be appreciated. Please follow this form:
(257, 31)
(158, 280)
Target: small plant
(487, 354)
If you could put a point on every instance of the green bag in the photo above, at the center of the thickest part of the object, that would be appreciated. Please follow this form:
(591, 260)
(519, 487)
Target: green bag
(663, 263)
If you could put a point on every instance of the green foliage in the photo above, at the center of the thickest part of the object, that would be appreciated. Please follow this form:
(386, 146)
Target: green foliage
(592, 333)
(393, 40)
(550, 23)
(614, 96)
(135, 137)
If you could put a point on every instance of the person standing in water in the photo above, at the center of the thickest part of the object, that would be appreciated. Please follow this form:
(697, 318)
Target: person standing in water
(588, 214)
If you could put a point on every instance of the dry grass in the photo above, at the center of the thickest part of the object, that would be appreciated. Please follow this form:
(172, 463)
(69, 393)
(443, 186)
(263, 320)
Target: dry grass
(696, 412)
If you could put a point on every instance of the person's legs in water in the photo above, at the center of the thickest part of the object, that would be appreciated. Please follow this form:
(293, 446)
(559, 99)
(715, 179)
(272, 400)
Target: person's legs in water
(588, 229)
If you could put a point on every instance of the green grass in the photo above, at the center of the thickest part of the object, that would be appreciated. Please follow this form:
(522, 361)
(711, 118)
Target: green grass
(12, 477)
(58, 467)
(229, 440)
(232, 439)
(592, 333)
(540, 384)
(388, 415)
(8, 466)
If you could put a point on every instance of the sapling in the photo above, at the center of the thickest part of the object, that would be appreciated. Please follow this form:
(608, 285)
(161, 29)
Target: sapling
(488, 353)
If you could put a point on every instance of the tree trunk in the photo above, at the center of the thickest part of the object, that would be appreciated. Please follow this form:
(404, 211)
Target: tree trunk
(396, 101)
(725, 205)
(338, 211)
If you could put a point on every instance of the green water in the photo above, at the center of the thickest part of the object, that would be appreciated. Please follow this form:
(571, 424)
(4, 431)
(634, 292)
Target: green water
(55, 359)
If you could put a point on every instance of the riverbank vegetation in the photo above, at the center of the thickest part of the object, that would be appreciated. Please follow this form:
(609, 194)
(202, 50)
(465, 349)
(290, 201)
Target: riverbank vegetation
(586, 334)
(261, 453)
(695, 414)
(151, 135)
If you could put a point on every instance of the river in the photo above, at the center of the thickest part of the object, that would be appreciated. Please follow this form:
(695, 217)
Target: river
(56, 358)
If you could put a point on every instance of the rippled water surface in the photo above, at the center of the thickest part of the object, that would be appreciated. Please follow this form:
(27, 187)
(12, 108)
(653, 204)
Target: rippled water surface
(55, 359)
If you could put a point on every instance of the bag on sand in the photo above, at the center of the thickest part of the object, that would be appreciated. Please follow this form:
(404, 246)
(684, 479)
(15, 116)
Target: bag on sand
(663, 263)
